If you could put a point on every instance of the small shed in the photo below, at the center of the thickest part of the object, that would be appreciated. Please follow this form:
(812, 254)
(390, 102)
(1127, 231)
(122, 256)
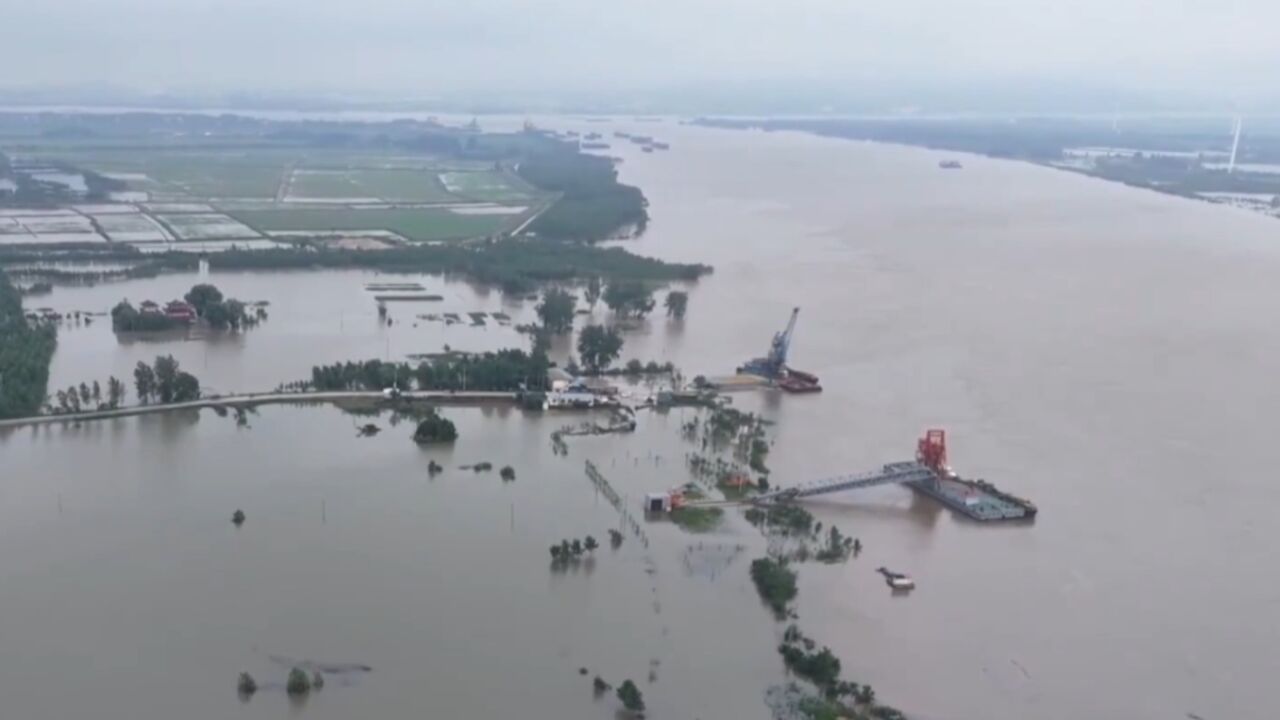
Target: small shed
(657, 502)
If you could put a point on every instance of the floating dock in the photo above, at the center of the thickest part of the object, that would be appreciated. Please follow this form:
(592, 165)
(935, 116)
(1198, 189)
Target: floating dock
(975, 499)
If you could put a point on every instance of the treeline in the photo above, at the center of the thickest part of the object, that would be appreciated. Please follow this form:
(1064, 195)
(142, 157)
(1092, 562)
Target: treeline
(25, 352)
(840, 698)
(513, 265)
(593, 205)
(503, 371)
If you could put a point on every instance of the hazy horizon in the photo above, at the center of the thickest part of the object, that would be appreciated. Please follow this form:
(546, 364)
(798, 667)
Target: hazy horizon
(807, 55)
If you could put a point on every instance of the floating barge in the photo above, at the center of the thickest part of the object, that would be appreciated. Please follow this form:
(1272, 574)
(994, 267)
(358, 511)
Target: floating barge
(975, 499)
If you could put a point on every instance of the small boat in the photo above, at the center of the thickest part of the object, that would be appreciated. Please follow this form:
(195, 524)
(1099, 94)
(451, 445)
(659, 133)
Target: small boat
(897, 581)
(950, 165)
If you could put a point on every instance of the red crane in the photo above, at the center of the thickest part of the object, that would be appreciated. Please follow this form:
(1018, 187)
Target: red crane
(931, 451)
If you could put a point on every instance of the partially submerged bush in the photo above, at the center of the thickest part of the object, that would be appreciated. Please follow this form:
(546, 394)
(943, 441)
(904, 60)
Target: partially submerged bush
(247, 685)
(630, 696)
(299, 683)
(435, 428)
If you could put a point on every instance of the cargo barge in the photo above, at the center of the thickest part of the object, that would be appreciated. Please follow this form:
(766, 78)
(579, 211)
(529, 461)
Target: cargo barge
(975, 499)
(798, 381)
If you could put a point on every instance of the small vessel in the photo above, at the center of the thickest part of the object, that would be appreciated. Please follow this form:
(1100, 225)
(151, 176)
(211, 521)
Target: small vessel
(950, 165)
(897, 581)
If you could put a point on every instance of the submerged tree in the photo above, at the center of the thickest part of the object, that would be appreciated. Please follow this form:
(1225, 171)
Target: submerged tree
(246, 685)
(598, 346)
(186, 388)
(556, 310)
(676, 303)
(629, 298)
(630, 696)
(202, 297)
(144, 382)
(298, 683)
(435, 428)
(592, 292)
(166, 369)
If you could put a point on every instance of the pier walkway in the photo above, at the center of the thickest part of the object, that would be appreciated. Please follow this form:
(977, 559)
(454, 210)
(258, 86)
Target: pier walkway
(894, 473)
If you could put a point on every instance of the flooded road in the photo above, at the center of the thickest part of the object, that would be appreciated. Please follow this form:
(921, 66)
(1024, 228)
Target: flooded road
(1105, 351)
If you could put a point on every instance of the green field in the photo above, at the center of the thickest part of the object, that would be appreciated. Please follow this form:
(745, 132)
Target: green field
(387, 185)
(201, 174)
(323, 184)
(488, 186)
(419, 224)
(257, 174)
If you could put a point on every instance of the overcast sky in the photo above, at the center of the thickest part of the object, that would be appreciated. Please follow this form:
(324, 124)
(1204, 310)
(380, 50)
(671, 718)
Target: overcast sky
(1222, 49)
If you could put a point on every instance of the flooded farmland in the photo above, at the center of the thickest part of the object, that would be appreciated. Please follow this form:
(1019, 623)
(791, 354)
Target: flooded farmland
(1098, 349)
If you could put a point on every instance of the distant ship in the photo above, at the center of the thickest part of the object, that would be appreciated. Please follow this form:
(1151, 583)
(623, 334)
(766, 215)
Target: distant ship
(950, 165)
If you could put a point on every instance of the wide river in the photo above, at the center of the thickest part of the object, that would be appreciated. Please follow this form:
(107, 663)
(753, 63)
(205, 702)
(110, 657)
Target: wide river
(1108, 352)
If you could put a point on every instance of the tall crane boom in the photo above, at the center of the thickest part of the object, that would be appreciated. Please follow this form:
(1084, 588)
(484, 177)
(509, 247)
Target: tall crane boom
(782, 343)
(773, 365)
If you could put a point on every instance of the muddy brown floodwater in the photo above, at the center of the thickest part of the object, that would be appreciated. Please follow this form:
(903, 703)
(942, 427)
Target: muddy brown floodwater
(1107, 352)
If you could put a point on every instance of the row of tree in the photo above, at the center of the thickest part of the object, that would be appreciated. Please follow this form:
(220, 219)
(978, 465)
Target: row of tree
(572, 550)
(626, 298)
(516, 266)
(88, 397)
(502, 371)
(164, 382)
(26, 348)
